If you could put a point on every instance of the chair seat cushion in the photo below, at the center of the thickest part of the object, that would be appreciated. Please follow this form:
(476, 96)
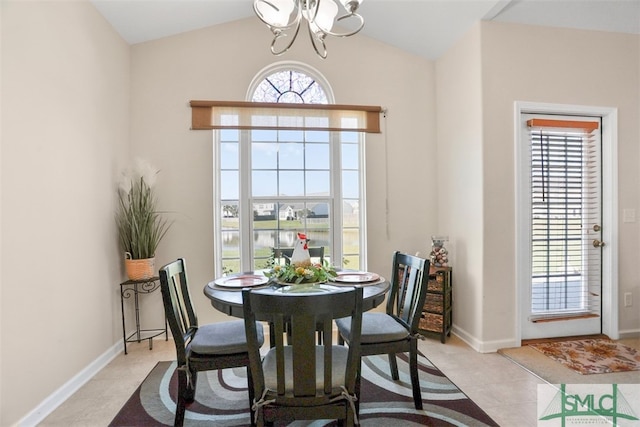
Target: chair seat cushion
(223, 338)
(339, 363)
(376, 327)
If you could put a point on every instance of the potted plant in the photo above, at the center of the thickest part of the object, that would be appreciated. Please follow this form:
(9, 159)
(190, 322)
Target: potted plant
(141, 226)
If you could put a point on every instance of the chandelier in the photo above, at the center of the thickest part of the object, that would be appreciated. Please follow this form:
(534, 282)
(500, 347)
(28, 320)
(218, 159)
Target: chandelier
(283, 17)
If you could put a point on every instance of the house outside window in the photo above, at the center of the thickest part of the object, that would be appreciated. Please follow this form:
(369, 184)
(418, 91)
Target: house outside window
(272, 184)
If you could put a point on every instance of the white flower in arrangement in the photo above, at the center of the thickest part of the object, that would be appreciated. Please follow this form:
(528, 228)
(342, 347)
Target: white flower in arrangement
(125, 184)
(142, 171)
(148, 173)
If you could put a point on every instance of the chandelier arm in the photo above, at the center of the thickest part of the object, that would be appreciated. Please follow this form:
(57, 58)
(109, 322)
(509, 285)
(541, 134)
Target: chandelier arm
(350, 33)
(282, 34)
(318, 39)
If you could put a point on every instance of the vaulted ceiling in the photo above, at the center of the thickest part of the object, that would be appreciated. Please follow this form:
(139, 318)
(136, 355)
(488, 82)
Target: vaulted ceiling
(423, 27)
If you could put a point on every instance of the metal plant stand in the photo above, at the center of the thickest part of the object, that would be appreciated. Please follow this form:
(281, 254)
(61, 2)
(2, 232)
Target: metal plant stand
(135, 288)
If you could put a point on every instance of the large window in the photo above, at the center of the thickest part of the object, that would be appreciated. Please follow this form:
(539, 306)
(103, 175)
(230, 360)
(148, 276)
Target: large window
(272, 184)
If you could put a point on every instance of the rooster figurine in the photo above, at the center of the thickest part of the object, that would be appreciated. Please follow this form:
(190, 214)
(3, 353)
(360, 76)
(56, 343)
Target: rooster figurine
(300, 256)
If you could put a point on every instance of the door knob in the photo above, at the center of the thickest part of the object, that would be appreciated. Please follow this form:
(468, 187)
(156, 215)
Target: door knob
(598, 244)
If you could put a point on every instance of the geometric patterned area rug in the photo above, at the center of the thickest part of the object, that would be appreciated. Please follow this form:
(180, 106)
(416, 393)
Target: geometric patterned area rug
(222, 400)
(592, 356)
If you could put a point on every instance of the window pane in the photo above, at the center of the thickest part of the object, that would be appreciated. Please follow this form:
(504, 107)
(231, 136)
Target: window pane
(351, 247)
(264, 135)
(229, 135)
(350, 155)
(291, 183)
(349, 136)
(230, 251)
(317, 156)
(229, 185)
(350, 184)
(263, 243)
(230, 215)
(291, 156)
(290, 136)
(318, 214)
(350, 213)
(229, 155)
(316, 136)
(318, 183)
(264, 155)
(264, 183)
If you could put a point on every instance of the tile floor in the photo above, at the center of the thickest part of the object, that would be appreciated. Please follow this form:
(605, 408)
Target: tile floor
(500, 387)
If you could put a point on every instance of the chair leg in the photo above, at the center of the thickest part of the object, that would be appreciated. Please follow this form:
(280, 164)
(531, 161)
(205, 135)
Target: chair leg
(252, 413)
(357, 391)
(192, 381)
(183, 381)
(393, 366)
(415, 379)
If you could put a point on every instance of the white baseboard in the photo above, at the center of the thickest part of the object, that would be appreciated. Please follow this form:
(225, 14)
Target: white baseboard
(494, 346)
(483, 346)
(629, 333)
(48, 405)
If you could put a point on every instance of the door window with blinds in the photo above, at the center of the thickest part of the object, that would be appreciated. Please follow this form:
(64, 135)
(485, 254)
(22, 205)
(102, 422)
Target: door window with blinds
(565, 217)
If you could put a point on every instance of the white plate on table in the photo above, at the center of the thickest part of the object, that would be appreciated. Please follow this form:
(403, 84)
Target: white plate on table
(356, 277)
(242, 281)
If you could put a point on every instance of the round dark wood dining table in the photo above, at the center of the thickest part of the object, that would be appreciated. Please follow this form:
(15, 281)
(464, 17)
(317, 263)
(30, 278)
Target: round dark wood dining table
(229, 299)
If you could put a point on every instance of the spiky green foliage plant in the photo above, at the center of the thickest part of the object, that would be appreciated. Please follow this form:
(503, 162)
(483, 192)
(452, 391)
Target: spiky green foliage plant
(141, 226)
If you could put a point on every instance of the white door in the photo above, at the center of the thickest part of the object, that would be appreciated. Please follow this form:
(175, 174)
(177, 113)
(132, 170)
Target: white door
(562, 168)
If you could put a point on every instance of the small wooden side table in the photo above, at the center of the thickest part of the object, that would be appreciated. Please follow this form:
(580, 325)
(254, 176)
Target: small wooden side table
(135, 288)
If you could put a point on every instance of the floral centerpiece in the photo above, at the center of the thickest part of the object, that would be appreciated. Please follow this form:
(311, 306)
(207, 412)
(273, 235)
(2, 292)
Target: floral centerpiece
(299, 268)
(297, 274)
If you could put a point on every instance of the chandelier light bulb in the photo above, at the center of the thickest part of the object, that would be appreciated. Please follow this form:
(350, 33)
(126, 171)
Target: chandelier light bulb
(327, 12)
(275, 13)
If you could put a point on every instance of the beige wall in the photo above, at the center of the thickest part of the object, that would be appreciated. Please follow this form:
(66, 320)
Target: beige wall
(459, 190)
(205, 64)
(65, 126)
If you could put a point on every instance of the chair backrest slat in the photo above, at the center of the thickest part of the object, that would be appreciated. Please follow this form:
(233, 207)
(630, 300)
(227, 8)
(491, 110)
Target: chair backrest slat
(409, 278)
(179, 311)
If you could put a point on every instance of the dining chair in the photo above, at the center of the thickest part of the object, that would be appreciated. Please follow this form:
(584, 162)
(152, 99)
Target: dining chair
(200, 347)
(316, 253)
(298, 379)
(396, 330)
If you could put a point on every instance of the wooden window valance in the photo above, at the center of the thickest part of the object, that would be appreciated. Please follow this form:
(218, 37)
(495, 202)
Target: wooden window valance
(587, 126)
(263, 115)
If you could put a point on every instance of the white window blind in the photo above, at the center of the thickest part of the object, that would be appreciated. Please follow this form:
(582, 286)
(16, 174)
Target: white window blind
(565, 210)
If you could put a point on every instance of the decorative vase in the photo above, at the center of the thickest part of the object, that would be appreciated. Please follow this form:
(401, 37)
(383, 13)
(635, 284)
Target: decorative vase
(439, 256)
(139, 269)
